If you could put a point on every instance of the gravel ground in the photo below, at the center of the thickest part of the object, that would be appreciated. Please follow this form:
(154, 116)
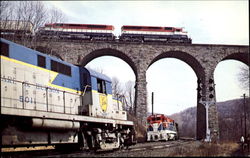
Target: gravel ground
(152, 149)
(178, 148)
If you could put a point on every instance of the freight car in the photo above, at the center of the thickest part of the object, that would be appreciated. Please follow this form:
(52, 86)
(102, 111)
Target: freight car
(47, 101)
(77, 31)
(161, 127)
(154, 33)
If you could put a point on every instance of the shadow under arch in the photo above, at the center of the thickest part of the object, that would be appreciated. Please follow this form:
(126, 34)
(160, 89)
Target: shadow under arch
(111, 52)
(243, 57)
(185, 57)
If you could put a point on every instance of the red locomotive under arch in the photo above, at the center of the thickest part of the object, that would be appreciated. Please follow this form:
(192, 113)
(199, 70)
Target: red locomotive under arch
(161, 127)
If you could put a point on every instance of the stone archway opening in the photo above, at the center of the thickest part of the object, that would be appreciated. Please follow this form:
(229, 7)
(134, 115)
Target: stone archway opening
(227, 79)
(120, 69)
(166, 76)
(113, 67)
(229, 95)
(184, 72)
(228, 76)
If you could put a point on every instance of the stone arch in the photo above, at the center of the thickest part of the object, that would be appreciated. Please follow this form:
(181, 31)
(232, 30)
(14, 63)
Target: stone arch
(200, 74)
(238, 56)
(243, 57)
(111, 52)
(185, 57)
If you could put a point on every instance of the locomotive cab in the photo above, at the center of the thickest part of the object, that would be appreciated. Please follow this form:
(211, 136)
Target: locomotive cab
(98, 87)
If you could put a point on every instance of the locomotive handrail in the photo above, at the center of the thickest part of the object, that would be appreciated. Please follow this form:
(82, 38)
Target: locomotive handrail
(47, 99)
(46, 88)
(24, 82)
(85, 89)
(22, 92)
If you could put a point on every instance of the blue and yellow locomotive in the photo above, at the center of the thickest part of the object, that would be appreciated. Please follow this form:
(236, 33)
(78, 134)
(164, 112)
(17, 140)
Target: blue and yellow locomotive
(47, 101)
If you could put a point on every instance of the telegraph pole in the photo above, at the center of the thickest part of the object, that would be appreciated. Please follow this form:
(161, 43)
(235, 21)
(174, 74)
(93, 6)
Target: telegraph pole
(152, 103)
(245, 120)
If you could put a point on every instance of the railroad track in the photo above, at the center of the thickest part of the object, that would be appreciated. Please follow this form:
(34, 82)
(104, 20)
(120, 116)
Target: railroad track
(51, 152)
(160, 145)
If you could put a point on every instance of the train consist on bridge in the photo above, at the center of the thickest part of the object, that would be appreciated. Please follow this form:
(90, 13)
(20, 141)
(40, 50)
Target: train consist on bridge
(161, 128)
(46, 101)
(129, 33)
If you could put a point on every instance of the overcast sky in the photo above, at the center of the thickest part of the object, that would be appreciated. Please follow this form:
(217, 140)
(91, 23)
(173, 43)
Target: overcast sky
(207, 22)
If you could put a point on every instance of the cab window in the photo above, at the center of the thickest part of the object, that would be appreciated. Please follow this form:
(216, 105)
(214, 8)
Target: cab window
(41, 61)
(101, 86)
(4, 49)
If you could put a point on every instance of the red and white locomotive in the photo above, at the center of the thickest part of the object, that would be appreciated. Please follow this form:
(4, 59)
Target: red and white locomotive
(154, 33)
(161, 127)
(77, 31)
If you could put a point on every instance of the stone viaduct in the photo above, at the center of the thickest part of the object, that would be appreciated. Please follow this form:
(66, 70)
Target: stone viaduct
(203, 58)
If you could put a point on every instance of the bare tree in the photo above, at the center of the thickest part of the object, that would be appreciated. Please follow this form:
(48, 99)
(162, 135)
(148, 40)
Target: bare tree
(27, 16)
(22, 18)
(6, 11)
(243, 77)
(37, 13)
(40, 14)
(56, 16)
(130, 94)
(5, 14)
(116, 87)
(125, 92)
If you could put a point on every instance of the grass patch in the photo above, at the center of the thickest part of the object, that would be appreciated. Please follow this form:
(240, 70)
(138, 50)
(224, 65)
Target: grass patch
(205, 149)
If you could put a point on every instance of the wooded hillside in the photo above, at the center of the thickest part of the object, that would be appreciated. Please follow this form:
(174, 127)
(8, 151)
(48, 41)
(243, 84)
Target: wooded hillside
(231, 120)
